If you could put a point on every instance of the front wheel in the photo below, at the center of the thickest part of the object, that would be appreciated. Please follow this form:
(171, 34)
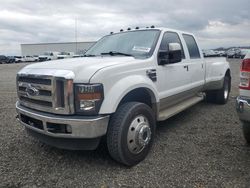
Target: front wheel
(130, 133)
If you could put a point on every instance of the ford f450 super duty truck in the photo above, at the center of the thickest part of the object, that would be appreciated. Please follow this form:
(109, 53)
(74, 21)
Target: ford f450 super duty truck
(125, 83)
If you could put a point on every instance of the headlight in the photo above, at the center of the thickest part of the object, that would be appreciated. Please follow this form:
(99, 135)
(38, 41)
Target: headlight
(88, 98)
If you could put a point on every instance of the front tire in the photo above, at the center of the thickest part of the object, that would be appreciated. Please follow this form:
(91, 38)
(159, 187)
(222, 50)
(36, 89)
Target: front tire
(246, 131)
(130, 133)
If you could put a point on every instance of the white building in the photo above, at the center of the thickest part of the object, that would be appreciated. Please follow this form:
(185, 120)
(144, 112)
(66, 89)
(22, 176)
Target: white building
(40, 48)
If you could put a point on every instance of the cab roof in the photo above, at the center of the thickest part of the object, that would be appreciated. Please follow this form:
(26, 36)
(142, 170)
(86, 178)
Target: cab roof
(164, 29)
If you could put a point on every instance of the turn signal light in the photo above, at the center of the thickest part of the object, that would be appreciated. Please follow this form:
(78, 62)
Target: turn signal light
(89, 96)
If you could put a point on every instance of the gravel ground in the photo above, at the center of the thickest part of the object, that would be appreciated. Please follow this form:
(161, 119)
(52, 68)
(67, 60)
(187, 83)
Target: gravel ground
(200, 147)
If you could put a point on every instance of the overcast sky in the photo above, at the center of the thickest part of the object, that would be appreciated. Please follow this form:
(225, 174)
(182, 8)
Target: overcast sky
(216, 23)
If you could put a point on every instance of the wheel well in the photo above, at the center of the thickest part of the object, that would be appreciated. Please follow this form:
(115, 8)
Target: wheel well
(142, 95)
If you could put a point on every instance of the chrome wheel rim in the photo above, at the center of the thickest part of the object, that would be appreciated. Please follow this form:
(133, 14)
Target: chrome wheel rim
(226, 90)
(139, 134)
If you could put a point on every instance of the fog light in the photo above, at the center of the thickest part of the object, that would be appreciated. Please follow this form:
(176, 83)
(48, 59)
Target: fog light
(87, 104)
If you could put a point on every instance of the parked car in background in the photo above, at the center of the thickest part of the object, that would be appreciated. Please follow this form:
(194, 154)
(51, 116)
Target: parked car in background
(29, 58)
(36, 57)
(65, 55)
(214, 53)
(220, 53)
(11, 59)
(3, 59)
(230, 53)
(209, 53)
(243, 101)
(6, 59)
(19, 59)
(233, 53)
(47, 56)
(243, 52)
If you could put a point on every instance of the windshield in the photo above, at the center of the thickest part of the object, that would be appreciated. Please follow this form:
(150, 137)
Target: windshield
(139, 44)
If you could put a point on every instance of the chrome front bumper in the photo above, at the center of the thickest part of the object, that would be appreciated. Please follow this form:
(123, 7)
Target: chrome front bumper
(62, 126)
(243, 108)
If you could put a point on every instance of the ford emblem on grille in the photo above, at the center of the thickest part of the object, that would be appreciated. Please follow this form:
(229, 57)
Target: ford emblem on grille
(31, 90)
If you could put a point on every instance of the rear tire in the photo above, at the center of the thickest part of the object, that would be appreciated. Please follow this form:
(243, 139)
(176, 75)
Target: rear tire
(220, 96)
(223, 94)
(210, 96)
(130, 133)
(246, 131)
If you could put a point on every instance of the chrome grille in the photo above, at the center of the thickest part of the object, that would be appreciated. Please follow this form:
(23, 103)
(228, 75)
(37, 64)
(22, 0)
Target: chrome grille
(46, 93)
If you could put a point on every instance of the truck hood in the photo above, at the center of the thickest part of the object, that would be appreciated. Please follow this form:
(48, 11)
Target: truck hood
(83, 68)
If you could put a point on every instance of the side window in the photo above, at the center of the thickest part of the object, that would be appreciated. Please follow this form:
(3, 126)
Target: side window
(192, 46)
(171, 37)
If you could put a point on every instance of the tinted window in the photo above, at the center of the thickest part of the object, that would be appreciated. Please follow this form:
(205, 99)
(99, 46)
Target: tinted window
(192, 46)
(171, 37)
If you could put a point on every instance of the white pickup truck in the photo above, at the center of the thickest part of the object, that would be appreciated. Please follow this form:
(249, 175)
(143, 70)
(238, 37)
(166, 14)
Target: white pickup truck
(243, 101)
(65, 55)
(125, 83)
(48, 56)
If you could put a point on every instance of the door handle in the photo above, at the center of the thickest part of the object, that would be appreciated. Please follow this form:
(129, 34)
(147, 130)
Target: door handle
(186, 67)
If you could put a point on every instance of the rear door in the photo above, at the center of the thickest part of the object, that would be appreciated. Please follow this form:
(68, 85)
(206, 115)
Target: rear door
(196, 65)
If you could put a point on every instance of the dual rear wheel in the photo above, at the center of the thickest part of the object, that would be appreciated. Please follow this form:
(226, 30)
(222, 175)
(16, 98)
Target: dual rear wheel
(220, 96)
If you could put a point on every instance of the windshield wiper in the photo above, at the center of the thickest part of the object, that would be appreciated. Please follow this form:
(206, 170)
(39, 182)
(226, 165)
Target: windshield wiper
(113, 53)
(89, 55)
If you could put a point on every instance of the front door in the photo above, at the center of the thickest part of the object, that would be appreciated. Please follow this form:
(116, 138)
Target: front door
(174, 79)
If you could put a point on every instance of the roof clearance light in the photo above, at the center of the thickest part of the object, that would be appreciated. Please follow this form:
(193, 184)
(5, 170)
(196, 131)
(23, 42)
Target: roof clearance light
(152, 26)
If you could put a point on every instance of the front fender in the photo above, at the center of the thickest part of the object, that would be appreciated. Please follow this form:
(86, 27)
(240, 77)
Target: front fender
(116, 92)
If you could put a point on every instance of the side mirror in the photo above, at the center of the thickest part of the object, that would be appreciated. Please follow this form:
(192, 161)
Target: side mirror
(173, 55)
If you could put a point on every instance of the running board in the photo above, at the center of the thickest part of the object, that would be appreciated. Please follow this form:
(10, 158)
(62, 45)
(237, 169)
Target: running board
(177, 108)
